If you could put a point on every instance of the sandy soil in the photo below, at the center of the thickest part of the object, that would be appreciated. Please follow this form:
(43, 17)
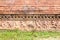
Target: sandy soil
(50, 38)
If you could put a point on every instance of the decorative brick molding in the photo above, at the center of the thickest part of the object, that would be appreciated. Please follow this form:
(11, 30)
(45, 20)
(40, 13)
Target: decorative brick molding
(27, 17)
(28, 22)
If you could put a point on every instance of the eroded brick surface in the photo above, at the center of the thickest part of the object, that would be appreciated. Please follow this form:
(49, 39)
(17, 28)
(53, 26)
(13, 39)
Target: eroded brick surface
(31, 25)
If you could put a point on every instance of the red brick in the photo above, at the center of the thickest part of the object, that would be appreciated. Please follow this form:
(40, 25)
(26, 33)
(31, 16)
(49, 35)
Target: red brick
(45, 6)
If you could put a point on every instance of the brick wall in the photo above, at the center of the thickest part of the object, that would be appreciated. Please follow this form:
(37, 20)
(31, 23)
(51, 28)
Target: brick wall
(38, 22)
(31, 25)
(44, 6)
(30, 7)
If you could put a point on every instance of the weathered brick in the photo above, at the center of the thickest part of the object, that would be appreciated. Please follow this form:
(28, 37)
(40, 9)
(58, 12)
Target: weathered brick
(47, 6)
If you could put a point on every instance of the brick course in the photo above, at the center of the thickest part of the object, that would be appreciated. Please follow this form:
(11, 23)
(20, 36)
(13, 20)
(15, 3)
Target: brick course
(44, 6)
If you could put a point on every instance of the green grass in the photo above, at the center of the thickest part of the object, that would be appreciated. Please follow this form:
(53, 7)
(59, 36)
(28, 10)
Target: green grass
(20, 35)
